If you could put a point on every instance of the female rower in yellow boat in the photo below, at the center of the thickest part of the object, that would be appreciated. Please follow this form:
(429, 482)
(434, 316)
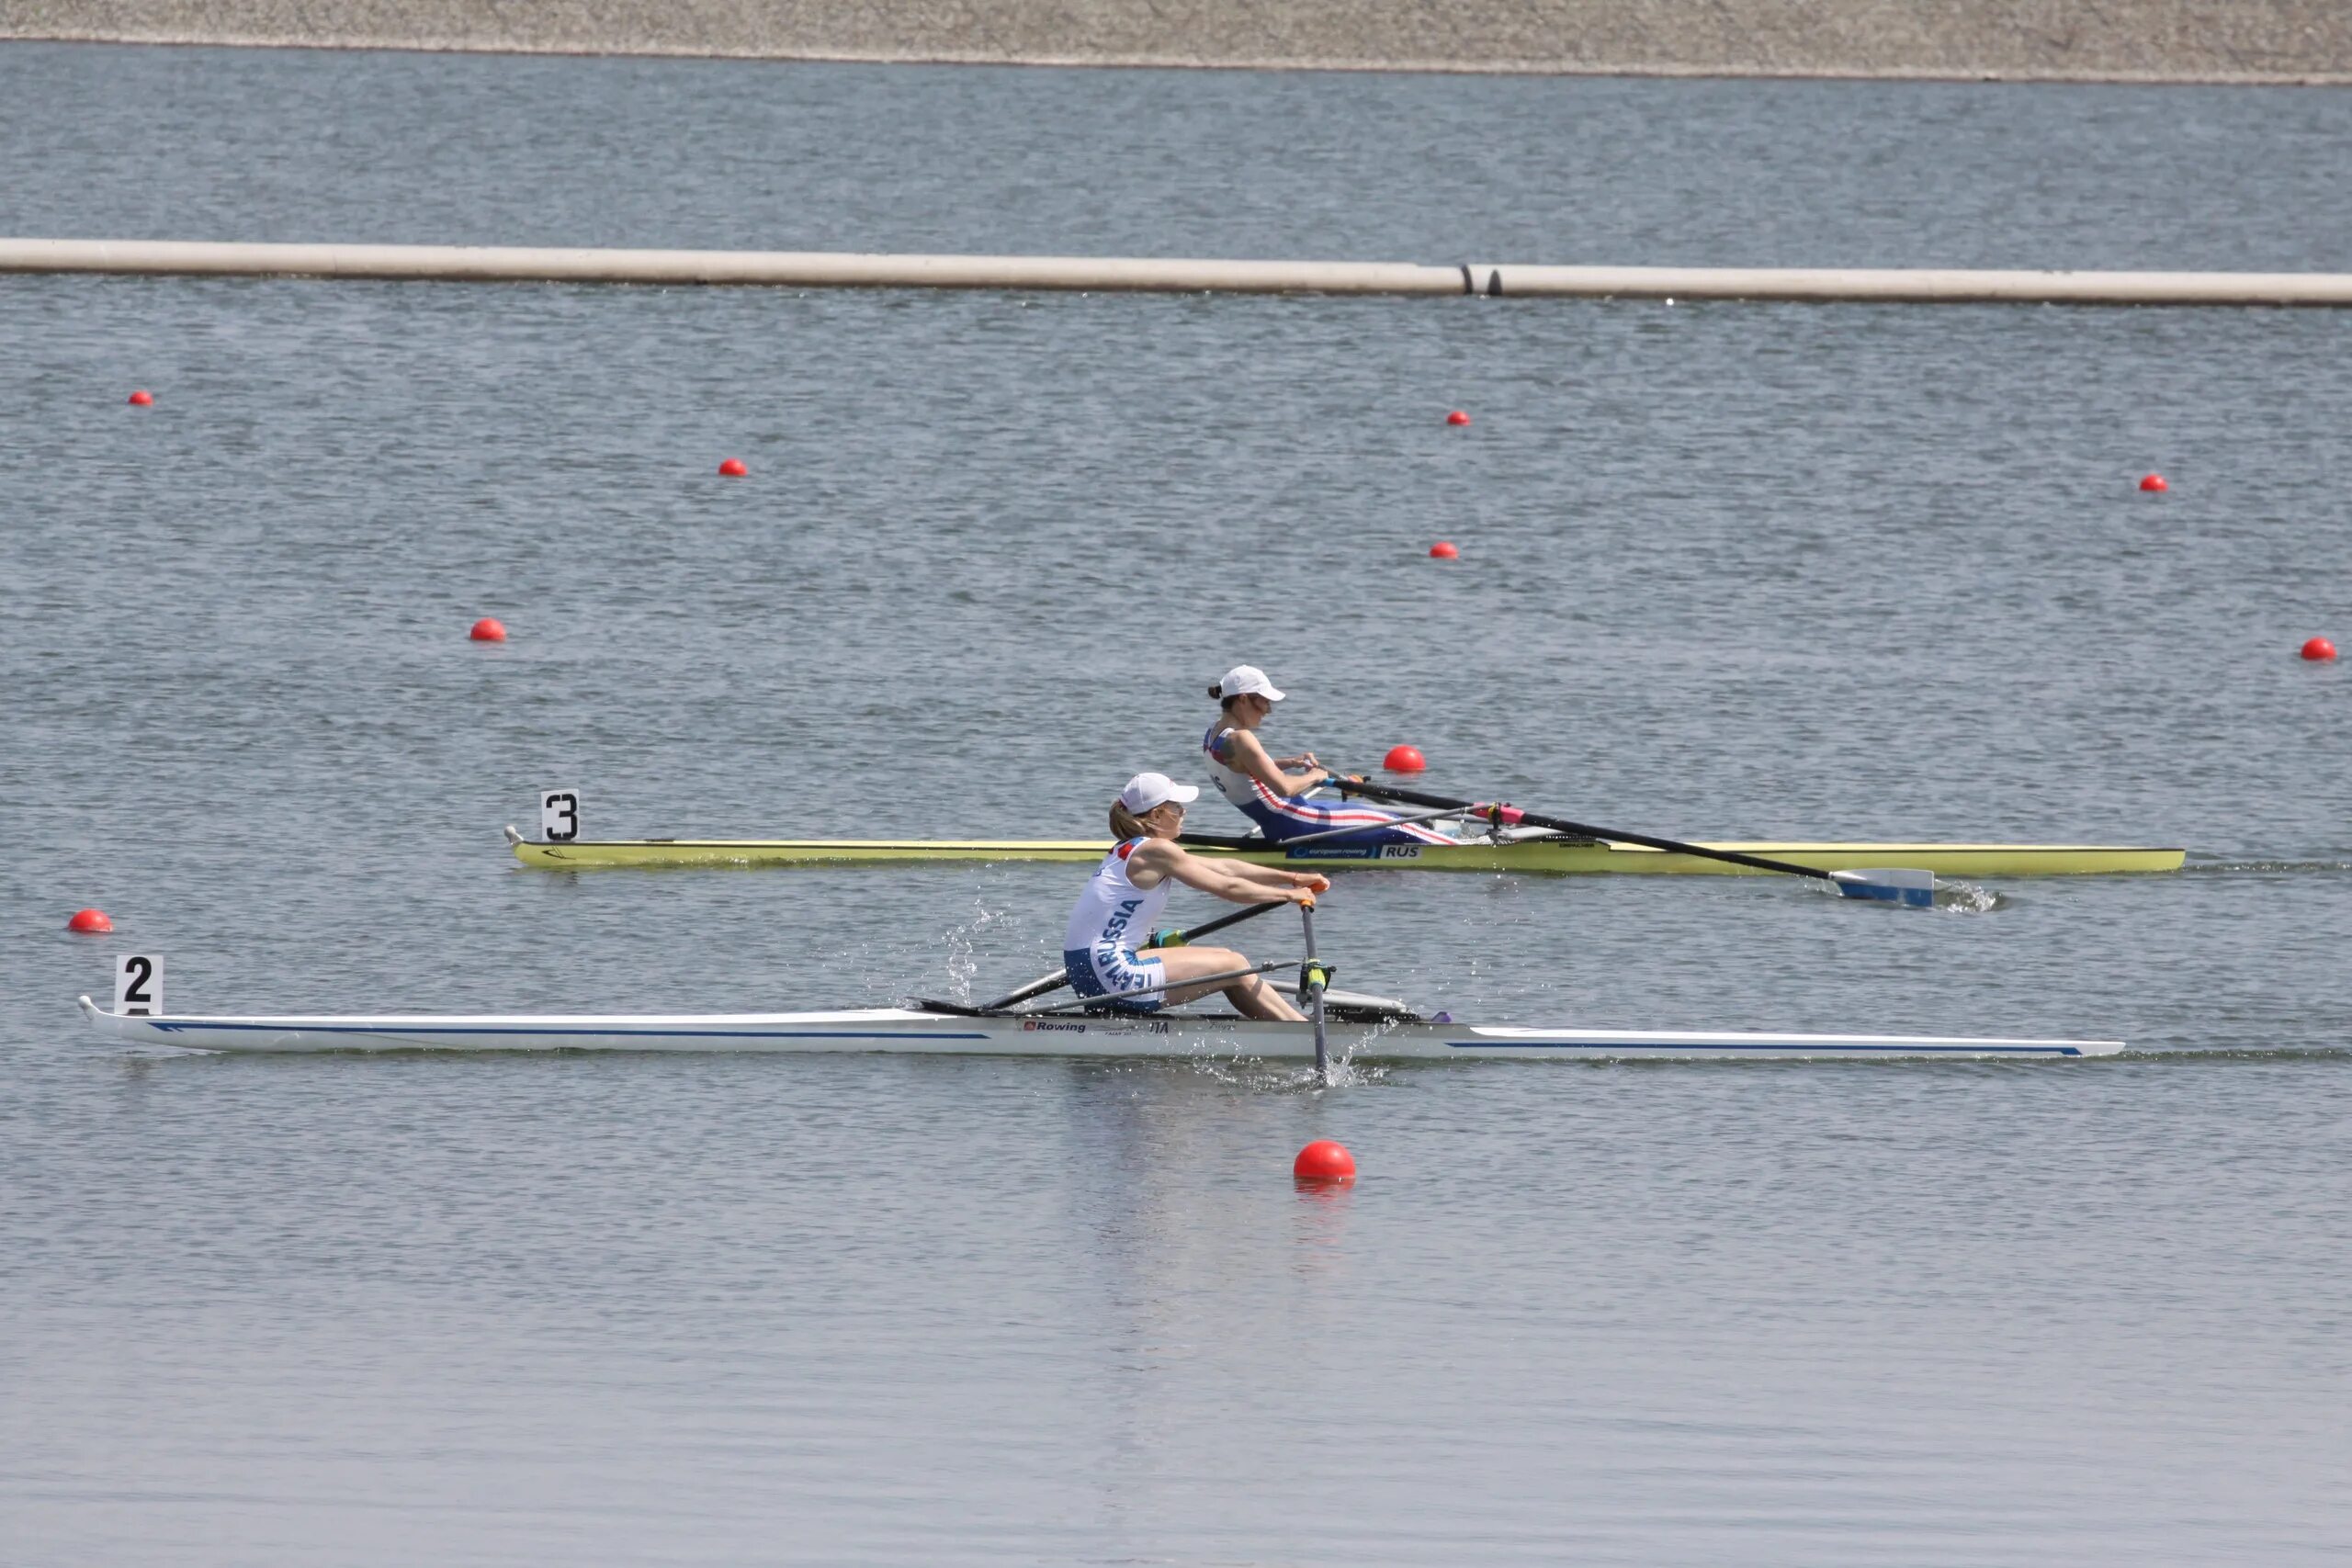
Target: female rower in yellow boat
(1130, 887)
(1262, 787)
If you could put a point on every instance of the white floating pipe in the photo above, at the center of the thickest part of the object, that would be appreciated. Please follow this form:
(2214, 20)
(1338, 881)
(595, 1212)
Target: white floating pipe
(1918, 286)
(807, 269)
(817, 269)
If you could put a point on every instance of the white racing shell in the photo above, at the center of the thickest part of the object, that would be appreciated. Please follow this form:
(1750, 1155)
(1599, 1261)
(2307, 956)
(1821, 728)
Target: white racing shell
(1057, 1035)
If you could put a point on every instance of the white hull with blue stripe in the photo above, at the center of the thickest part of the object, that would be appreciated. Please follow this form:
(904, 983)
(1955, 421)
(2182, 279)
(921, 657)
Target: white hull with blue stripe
(910, 1031)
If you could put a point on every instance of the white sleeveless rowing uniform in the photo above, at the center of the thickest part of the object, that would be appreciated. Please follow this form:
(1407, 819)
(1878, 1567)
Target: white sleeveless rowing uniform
(1113, 919)
(1281, 817)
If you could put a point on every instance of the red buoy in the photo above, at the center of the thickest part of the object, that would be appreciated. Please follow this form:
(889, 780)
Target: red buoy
(1404, 759)
(734, 468)
(2319, 650)
(488, 630)
(1443, 550)
(1325, 1161)
(1457, 417)
(2155, 481)
(141, 397)
(91, 920)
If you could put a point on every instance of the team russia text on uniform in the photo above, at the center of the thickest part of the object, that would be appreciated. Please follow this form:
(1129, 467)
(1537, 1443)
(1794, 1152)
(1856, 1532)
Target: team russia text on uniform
(1114, 917)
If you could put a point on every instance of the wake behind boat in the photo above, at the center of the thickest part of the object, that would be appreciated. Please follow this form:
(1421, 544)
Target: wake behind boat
(1363, 1030)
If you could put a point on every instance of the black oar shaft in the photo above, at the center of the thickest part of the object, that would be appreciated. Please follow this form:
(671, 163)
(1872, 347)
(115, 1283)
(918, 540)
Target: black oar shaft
(1585, 830)
(1208, 928)
(1042, 986)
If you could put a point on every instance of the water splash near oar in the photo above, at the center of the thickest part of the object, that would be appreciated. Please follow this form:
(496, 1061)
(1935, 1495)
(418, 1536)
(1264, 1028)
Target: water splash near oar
(1967, 898)
(1946, 895)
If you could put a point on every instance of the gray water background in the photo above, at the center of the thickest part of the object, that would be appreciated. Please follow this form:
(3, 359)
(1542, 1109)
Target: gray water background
(1844, 572)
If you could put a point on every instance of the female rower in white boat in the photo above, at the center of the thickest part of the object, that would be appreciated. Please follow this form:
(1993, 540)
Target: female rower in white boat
(1264, 789)
(1130, 887)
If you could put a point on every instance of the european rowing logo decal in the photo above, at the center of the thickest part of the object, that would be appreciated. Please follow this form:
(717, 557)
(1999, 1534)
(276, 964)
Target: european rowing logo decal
(1037, 1025)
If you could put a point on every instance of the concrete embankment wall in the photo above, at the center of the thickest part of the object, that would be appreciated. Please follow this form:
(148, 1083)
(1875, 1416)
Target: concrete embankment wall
(2160, 40)
(816, 269)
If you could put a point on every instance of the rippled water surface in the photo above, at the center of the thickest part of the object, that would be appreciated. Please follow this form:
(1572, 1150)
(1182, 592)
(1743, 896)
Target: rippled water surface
(1742, 571)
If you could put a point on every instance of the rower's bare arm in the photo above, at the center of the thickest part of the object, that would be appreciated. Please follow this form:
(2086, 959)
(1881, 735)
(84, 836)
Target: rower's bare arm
(1249, 757)
(1164, 859)
(1274, 876)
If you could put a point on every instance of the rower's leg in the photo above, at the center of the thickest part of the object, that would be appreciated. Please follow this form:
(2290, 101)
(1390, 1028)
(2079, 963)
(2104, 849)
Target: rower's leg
(1250, 996)
(1352, 826)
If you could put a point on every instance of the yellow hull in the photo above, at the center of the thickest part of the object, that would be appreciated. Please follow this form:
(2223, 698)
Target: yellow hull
(1558, 859)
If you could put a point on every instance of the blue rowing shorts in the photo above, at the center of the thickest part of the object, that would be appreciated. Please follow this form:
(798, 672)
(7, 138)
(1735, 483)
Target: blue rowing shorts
(1107, 969)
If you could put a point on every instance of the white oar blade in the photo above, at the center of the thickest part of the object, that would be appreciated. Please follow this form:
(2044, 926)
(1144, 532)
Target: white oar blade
(1913, 889)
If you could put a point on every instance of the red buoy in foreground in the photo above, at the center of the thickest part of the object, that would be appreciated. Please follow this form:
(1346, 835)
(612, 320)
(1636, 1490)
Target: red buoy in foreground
(488, 630)
(141, 397)
(1325, 1161)
(1457, 417)
(1443, 550)
(734, 468)
(2318, 649)
(91, 920)
(1404, 759)
(2155, 481)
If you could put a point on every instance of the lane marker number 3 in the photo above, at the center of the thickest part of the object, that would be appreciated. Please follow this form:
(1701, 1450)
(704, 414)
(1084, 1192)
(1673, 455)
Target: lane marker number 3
(558, 815)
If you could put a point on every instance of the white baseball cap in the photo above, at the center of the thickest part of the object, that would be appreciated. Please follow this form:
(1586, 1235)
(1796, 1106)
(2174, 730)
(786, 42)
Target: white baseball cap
(1248, 679)
(1145, 790)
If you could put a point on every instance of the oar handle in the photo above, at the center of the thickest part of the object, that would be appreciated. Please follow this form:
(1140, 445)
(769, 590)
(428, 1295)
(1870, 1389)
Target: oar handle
(1511, 816)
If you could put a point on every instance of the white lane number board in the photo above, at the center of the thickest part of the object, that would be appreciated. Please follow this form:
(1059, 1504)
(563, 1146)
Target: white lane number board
(558, 815)
(138, 984)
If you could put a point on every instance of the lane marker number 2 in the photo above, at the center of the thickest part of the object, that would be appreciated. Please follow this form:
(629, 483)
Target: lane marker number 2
(138, 984)
(558, 815)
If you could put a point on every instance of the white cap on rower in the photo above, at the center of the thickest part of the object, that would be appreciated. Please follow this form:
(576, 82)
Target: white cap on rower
(1145, 790)
(1248, 679)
